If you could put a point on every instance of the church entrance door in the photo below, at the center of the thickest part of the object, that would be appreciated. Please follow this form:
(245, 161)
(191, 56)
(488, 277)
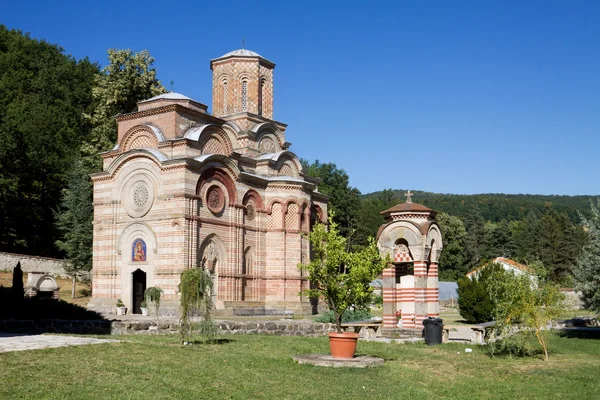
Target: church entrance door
(139, 287)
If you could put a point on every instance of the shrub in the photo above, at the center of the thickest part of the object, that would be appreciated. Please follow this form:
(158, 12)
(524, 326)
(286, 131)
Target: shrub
(474, 302)
(348, 316)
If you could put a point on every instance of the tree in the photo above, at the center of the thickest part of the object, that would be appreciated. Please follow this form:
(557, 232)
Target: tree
(474, 302)
(533, 301)
(587, 268)
(196, 287)
(43, 96)
(369, 217)
(339, 277)
(153, 294)
(74, 221)
(126, 80)
(453, 261)
(345, 199)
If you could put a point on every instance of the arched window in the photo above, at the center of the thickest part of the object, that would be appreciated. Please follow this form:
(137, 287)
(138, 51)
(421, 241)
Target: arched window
(244, 95)
(261, 95)
(225, 97)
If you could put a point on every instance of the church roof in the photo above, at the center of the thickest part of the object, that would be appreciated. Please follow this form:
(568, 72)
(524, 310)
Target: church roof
(168, 96)
(243, 53)
(408, 207)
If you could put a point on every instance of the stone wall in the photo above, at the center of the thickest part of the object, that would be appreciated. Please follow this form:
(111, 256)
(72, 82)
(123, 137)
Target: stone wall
(117, 327)
(52, 266)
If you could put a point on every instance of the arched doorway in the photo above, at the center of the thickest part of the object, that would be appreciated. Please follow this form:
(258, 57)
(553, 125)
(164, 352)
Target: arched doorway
(139, 287)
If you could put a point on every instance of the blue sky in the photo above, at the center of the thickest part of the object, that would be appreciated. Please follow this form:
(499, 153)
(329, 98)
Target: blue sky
(451, 97)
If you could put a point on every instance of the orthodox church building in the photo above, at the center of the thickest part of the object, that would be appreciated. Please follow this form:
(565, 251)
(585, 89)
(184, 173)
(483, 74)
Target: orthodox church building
(187, 189)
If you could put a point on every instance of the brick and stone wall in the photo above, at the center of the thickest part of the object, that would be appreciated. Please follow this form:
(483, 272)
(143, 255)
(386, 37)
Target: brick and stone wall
(52, 266)
(117, 327)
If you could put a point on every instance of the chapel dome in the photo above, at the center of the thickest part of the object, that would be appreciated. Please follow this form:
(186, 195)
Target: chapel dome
(244, 53)
(168, 99)
(168, 96)
(241, 53)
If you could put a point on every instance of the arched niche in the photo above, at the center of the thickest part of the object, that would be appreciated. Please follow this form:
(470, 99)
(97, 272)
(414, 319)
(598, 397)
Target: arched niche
(405, 230)
(212, 257)
(434, 243)
(137, 249)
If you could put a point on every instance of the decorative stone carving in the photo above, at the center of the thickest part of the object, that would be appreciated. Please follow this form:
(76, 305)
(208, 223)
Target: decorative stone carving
(138, 198)
(215, 199)
(250, 212)
(267, 145)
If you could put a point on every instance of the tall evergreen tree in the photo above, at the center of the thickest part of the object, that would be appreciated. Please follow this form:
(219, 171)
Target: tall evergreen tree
(75, 223)
(587, 268)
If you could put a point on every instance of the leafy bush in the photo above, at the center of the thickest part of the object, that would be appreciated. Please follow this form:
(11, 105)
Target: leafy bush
(517, 345)
(348, 316)
(474, 302)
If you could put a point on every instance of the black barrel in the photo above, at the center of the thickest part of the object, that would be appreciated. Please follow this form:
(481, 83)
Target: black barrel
(433, 330)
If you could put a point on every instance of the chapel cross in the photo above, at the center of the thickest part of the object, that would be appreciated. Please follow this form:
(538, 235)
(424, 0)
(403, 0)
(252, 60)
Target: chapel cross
(172, 85)
(408, 195)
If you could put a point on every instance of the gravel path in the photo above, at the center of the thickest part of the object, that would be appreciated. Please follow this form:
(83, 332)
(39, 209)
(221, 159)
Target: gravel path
(13, 342)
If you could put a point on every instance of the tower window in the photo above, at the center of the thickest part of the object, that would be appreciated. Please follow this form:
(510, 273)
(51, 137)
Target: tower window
(225, 97)
(245, 96)
(261, 96)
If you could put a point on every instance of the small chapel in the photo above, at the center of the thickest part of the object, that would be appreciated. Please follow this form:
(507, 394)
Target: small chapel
(184, 188)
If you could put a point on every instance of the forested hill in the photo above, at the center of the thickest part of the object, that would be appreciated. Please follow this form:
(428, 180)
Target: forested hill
(493, 207)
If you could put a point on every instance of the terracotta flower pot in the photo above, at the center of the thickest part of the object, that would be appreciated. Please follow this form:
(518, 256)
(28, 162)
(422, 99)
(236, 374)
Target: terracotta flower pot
(343, 345)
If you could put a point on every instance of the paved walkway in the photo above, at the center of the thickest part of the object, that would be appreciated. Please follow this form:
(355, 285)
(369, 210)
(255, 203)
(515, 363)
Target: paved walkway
(14, 342)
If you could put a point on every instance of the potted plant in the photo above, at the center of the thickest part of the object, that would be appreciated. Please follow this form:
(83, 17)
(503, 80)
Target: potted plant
(342, 279)
(144, 307)
(153, 294)
(121, 309)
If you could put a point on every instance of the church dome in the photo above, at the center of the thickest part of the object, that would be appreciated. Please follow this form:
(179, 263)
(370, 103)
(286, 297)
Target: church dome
(168, 99)
(168, 96)
(241, 53)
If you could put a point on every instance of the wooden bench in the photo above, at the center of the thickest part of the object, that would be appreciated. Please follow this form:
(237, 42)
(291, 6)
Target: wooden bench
(481, 332)
(371, 327)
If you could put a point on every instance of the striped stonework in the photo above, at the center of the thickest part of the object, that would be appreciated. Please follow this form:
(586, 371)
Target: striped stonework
(413, 241)
(173, 183)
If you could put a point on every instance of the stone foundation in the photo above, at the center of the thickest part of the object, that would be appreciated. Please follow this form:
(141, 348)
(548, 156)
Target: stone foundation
(116, 327)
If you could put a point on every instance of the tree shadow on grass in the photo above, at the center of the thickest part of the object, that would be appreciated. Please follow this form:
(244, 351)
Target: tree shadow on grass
(218, 341)
(47, 315)
(580, 333)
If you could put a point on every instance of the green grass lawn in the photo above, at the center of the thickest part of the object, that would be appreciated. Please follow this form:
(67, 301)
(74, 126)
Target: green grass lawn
(256, 366)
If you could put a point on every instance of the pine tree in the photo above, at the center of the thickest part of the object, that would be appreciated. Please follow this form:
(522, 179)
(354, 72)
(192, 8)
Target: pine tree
(74, 220)
(587, 268)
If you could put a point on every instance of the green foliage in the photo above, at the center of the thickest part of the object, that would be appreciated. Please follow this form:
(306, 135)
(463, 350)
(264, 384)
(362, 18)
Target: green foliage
(339, 277)
(153, 294)
(127, 79)
(344, 202)
(120, 303)
(74, 221)
(587, 268)
(520, 298)
(195, 288)
(144, 304)
(43, 95)
(474, 302)
(527, 228)
(349, 315)
(453, 261)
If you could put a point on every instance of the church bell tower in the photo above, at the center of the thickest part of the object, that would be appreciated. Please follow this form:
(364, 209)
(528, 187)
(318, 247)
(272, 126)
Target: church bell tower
(242, 83)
